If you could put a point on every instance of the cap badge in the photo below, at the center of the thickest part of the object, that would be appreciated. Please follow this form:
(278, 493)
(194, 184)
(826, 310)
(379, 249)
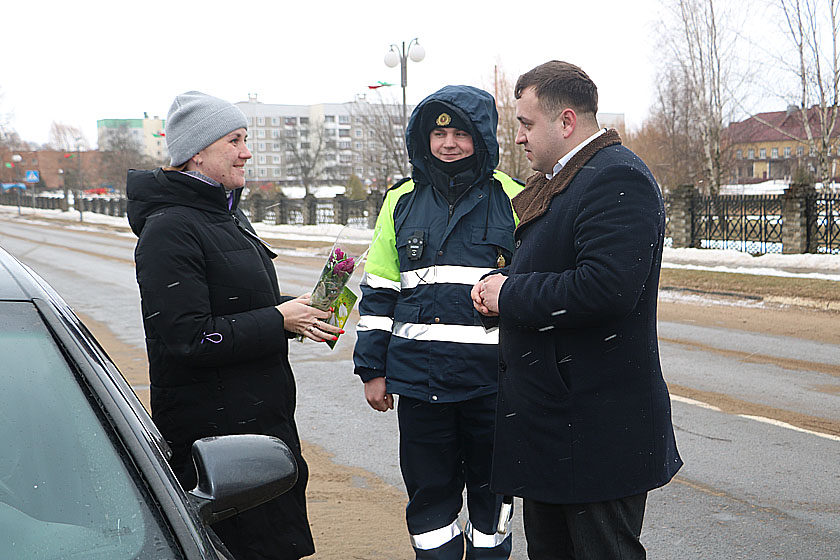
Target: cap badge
(443, 119)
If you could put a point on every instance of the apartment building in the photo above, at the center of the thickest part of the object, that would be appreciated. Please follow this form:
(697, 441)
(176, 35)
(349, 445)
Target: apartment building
(147, 133)
(324, 144)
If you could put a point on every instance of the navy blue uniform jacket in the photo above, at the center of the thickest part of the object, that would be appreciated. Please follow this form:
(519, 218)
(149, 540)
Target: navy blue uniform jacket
(584, 414)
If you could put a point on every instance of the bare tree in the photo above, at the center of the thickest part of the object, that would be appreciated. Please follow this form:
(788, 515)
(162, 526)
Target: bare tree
(312, 155)
(121, 152)
(512, 158)
(818, 72)
(65, 137)
(699, 65)
(383, 143)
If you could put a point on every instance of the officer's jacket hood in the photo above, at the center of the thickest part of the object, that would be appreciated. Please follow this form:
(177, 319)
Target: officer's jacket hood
(472, 105)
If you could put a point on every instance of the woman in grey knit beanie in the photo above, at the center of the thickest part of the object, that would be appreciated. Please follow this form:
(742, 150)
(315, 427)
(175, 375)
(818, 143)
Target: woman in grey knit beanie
(217, 327)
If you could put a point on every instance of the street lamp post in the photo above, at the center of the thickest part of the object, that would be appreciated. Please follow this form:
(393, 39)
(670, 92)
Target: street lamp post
(16, 159)
(396, 56)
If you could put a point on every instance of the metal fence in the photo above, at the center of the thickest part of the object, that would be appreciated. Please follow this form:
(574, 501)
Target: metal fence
(748, 223)
(824, 223)
(752, 224)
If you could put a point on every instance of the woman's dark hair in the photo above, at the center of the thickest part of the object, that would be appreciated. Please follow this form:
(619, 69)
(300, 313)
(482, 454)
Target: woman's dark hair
(558, 85)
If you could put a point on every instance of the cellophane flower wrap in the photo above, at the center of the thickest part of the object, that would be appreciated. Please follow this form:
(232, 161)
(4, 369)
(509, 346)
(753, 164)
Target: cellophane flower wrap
(337, 272)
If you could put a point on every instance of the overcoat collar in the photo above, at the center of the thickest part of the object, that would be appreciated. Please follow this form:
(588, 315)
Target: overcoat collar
(533, 201)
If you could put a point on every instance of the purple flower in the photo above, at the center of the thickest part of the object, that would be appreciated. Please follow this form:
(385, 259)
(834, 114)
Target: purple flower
(345, 266)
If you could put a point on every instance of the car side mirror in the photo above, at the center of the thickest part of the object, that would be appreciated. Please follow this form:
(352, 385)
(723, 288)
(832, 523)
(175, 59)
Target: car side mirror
(238, 472)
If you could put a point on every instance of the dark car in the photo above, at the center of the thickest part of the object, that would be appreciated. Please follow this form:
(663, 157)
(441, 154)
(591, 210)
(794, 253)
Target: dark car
(83, 470)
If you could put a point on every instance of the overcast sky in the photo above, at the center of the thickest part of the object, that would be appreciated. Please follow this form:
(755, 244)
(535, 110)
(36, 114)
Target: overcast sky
(76, 62)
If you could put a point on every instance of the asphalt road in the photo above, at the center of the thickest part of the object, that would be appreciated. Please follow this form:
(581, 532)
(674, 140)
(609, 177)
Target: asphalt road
(751, 488)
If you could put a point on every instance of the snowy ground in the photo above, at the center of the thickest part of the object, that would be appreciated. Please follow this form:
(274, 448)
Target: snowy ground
(825, 267)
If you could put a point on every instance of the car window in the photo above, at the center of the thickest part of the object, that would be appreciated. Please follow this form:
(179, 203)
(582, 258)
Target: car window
(65, 488)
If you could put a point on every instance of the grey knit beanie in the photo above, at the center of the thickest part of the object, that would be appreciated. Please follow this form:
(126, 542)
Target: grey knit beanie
(195, 121)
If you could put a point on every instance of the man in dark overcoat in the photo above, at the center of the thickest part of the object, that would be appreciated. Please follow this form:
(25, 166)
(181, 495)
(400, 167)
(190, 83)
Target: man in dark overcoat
(583, 426)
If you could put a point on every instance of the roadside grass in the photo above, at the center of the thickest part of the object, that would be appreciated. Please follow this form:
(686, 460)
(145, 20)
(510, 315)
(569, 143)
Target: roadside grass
(751, 284)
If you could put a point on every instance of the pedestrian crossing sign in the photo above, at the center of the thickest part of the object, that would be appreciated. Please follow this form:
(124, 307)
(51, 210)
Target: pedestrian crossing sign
(32, 177)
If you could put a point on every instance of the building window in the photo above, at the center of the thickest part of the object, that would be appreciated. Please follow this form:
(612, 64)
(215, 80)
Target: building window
(344, 158)
(762, 153)
(275, 133)
(290, 121)
(261, 146)
(751, 154)
(275, 121)
(800, 151)
(262, 159)
(344, 133)
(260, 133)
(739, 154)
(787, 151)
(344, 119)
(357, 145)
(358, 133)
(276, 171)
(291, 132)
(275, 159)
(261, 172)
(276, 146)
(344, 145)
(304, 121)
(260, 121)
(250, 172)
(360, 171)
(774, 153)
(329, 118)
(358, 120)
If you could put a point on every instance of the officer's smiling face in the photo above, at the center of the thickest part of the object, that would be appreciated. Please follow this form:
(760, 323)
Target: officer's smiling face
(450, 144)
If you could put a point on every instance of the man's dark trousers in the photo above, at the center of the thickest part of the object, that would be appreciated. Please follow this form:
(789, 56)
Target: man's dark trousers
(444, 447)
(598, 531)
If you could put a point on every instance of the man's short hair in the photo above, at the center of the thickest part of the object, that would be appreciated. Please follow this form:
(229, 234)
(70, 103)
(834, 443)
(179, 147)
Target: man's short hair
(558, 85)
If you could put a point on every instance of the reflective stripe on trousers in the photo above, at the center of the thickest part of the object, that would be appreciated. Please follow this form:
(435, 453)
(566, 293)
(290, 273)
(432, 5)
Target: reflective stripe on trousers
(436, 538)
(483, 540)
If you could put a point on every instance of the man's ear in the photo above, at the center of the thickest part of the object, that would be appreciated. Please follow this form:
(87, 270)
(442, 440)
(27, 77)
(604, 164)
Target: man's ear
(568, 121)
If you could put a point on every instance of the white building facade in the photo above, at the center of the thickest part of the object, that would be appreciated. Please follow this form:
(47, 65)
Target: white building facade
(324, 144)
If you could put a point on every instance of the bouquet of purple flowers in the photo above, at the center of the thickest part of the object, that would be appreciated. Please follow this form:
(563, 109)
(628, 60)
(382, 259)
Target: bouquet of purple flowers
(337, 271)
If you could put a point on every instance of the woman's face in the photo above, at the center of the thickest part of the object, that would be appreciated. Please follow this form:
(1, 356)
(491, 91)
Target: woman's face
(224, 160)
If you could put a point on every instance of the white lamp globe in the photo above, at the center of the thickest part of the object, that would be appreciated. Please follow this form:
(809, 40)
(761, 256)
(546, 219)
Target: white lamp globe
(416, 52)
(392, 58)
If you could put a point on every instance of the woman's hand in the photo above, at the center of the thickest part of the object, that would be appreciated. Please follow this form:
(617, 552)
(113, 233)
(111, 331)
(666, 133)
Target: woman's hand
(301, 318)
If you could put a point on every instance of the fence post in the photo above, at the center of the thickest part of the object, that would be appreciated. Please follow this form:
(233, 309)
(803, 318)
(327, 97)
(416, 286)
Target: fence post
(310, 210)
(257, 208)
(340, 209)
(373, 204)
(281, 212)
(795, 234)
(681, 216)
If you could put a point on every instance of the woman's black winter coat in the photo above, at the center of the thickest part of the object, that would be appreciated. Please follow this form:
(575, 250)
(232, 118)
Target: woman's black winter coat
(218, 351)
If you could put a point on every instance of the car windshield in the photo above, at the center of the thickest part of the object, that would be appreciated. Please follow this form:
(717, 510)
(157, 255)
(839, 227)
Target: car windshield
(65, 489)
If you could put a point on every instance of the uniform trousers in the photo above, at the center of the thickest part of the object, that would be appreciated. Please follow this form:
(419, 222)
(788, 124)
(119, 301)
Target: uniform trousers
(596, 531)
(444, 448)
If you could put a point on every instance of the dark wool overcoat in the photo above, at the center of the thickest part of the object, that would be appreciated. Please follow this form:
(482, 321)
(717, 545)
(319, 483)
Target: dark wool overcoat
(583, 413)
(218, 352)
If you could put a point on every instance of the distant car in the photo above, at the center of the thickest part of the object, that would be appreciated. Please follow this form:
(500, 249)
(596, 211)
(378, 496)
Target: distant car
(83, 470)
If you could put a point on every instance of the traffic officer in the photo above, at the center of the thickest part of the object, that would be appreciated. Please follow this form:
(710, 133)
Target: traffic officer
(419, 336)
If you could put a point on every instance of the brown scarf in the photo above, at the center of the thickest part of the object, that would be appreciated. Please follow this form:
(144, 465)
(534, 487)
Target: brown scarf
(532, 202)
